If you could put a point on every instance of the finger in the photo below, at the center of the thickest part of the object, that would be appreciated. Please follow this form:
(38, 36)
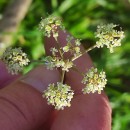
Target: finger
(73, 78)
(87, 112)
(21, 104)
(5, 77)
(47, 125)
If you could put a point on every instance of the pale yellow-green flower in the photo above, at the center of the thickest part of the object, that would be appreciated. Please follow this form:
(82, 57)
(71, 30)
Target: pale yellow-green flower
(109, 36)
(72, 46)
(57, 62)
(59, 95)
(50, 26)
(94, 81)
(14, 59)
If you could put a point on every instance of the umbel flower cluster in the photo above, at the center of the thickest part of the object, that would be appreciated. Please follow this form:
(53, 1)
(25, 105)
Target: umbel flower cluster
(94, 81)
(14, 59)
(60, 94)
(51, 25)
(108, 36)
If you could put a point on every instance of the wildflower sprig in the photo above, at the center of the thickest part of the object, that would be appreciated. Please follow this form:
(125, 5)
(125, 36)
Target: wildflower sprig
(60, 94)
(94, 81)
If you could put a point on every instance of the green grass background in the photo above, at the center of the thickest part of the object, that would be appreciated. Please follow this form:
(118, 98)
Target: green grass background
(81, 18)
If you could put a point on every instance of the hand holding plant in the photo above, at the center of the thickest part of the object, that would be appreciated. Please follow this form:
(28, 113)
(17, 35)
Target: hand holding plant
(60, 94)
(70, 81)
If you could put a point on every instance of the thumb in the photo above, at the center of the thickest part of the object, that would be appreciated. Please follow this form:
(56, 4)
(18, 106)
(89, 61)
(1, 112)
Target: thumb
(21, 104)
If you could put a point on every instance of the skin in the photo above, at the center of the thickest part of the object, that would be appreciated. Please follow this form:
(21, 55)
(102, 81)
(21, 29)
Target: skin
(23, 108)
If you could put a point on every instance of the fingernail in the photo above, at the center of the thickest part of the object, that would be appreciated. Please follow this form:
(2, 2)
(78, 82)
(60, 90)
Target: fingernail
(40, 78)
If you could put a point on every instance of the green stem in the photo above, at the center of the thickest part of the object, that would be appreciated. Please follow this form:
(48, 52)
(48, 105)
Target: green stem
(89, 49)
(61, 54)
(62, 76)
(58, 46)
(75, 69)
(37, 61)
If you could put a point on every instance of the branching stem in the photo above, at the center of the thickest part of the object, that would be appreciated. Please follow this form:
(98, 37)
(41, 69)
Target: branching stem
(89, 49)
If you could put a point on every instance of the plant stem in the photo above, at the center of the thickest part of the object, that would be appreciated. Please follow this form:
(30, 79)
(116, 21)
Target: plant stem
(58, 46)
(76, 69)
(61, 54)
(89, 49)
(37, 61)
(62, 76)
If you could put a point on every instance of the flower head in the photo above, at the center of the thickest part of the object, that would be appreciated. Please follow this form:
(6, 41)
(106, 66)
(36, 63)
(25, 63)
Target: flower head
(50, 26)
(67, 65)
(109, 36)
(58, 62)
(94, 81)
(59, 95)
(72, 46)
(14, 59)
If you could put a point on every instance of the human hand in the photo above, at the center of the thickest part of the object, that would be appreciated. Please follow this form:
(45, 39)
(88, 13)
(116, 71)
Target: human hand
(23, 108)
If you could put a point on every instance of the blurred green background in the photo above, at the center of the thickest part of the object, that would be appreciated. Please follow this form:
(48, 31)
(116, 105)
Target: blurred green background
(81, 18)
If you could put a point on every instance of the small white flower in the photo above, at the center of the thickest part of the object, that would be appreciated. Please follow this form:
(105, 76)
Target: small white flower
(69, 38)
(67, 65)
(66, 48)
(50, 62)
(54, 51)
(77, 42)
